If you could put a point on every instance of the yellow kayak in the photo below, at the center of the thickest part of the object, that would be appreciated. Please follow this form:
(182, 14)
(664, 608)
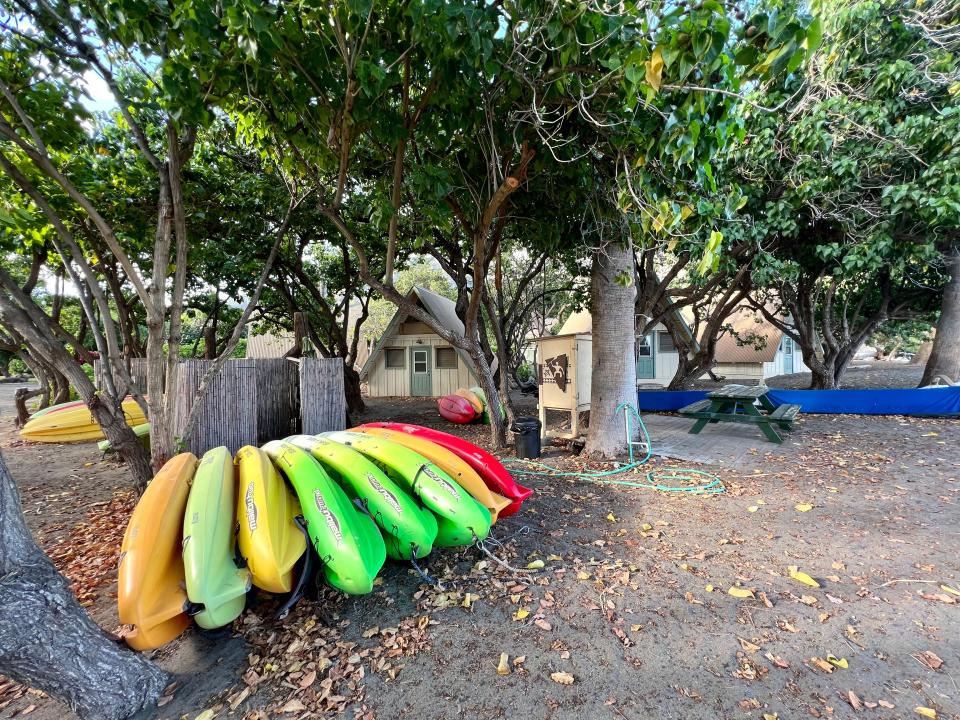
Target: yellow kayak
(150, 583)
(471, 398)
(75, 424)
(449, 462)
(269, 539)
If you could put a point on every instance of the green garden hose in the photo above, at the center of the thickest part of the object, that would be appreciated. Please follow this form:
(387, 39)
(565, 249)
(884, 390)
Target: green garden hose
(691, 480)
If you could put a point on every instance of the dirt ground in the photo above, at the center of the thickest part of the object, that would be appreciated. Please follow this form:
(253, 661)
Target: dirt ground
(629, 616)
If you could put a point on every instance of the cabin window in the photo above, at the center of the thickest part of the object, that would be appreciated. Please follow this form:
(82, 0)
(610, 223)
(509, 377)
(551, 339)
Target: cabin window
(446, 358)
(394, 358)
(666, 342)
(643, 346)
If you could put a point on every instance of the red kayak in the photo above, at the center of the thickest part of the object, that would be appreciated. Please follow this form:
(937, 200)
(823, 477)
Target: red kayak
(456, 409)
(487, 466)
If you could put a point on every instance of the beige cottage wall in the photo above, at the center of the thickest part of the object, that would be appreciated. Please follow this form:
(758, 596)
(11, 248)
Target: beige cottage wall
(390, 382)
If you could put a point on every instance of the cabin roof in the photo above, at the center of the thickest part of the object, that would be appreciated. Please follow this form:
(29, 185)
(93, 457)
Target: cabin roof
(443, 310)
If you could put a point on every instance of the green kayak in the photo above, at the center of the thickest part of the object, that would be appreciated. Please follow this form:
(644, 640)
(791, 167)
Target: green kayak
(216, 586)
(142, 431)
(408, 529)
(460, 518)
(346, 540)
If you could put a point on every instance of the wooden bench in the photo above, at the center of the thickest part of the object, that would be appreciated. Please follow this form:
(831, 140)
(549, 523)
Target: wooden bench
(740, 404)
(784, 415)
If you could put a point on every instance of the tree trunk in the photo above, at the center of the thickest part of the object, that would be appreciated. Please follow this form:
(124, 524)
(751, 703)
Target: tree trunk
(351, 389)
(209, 343)
(498, 425)
(47, 641)
(945, 353)
(614, 380)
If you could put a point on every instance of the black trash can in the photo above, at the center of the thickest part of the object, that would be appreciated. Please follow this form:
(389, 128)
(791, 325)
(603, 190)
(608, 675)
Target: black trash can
(526, 437)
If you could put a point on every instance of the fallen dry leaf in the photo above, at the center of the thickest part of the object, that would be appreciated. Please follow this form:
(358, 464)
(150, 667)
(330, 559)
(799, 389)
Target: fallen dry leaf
(926, 712)
(929, 658)
(209, 714)
(802, 577)
(886, 704)
(803, 507)
(535, 565)
(854, 701)
(521, 614)
(292, 706)
(938, 597)
(739, 592)
(747, 645)
(370, 633)
(543, 624)
(838, 662)
(777, 661)
(563, 678)
(821, 665)
(308, 679)
(503, 668)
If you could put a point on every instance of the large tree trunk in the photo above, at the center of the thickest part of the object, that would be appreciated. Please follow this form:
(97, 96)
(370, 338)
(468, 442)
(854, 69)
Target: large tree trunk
(351, 389)
(945, 353)
(614, 377)
(498, 424)
(47, 641)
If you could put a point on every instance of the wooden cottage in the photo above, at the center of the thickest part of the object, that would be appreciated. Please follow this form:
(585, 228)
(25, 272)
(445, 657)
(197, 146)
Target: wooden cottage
(411, 360)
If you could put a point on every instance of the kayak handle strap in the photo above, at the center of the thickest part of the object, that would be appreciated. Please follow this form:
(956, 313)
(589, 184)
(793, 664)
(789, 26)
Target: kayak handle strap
(305, 573)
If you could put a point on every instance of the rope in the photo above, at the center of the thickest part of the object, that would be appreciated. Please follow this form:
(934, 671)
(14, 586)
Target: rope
(427, 578)
(704, 482)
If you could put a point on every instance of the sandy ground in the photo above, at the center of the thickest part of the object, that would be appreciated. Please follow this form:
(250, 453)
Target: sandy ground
(631, 604)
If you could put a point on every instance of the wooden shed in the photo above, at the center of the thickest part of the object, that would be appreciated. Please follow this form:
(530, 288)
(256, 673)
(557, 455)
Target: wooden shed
(411, 360)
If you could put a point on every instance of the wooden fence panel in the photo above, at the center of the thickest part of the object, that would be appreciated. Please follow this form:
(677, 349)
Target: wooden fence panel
(137, 368)
(278, 399)
(323, 405)
(228, 415)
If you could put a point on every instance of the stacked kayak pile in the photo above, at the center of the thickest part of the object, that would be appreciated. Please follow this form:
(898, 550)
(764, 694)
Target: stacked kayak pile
(206, 531)
(73, 422)
(465, 406)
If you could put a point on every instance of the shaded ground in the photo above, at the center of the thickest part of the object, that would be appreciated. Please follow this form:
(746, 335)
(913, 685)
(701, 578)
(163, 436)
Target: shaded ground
(631, 602)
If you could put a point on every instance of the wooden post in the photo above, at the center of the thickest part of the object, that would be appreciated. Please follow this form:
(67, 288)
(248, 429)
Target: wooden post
(209, 343)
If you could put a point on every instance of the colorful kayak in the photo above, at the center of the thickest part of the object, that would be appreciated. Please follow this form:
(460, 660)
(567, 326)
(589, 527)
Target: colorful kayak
(487, 466)
(150, 582)
(269, 538)
(456, 409)
(56, 408)
(460, 519)
(75, 424)
(346, 540)
(408, 530)
(216, 584)
(452, 464)
(471, 397)
(141, 431)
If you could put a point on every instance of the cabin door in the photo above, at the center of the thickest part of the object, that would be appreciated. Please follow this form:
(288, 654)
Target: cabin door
(787, 356)
(646, 369)
(421, 379)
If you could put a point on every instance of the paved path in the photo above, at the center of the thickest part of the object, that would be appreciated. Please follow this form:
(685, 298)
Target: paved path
(719, 443)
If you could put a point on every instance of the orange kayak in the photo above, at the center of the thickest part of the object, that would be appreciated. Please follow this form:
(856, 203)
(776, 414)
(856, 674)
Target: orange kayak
(150, 586)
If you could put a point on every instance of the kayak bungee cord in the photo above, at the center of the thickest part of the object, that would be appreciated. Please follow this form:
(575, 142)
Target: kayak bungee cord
(486, 551)
(655, 480)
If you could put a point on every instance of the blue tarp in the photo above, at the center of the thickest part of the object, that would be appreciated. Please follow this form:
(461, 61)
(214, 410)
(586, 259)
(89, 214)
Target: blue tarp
(914, 401)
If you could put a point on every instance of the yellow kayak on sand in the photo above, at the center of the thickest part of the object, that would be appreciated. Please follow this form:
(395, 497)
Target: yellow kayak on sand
(449, 462)
(269, 538)
(75, 424)
(150, 583)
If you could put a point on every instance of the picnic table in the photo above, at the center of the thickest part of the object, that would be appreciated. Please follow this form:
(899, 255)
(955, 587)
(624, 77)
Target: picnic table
(742, 404)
